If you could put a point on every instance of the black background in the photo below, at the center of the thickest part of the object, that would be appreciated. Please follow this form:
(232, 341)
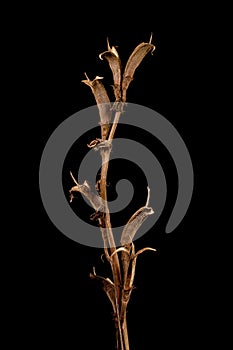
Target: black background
(170, 304)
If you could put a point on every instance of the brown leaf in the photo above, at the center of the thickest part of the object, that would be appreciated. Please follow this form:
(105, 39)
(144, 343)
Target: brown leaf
(107, 285)
(143, 250)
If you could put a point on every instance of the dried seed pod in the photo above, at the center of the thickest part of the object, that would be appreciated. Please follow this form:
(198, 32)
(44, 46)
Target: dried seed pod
(95, 200)
(111, 55)
(103, 103)
(133, 62)
(136, 221)
(134, 224)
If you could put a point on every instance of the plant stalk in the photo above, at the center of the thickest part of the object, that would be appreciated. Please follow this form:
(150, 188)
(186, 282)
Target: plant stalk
(121, 322)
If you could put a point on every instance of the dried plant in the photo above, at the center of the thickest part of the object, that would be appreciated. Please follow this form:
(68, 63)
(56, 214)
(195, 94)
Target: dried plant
(121, 259)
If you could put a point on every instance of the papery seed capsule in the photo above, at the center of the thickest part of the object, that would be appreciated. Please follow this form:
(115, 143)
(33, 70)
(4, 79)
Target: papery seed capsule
(133, 62)
(136, 221)
(103, 103)
(134, 224)
(111, 55)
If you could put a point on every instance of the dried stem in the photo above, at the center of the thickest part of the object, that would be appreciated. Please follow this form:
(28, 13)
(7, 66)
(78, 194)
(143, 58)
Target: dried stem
(115, 265)
(114, 125)
(123, 270)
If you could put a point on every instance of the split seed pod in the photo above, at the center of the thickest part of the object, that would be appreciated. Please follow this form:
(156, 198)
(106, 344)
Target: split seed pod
(111, 55)
(133, 62)
(103, 103)
(135, 222)
(93, 197)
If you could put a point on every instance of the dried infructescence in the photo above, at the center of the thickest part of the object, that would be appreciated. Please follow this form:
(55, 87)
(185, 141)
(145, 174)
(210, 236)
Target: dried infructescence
(123, 259)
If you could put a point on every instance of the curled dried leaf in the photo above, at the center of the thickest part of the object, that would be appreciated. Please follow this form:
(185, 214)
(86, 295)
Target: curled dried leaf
(119, 250)
(93, 143)
(94, 275)
(133, 62)
(143, 250)
(111, 55)
(103, 145)
(102, 101)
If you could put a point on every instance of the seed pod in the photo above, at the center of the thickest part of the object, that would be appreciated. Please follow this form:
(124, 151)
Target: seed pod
(103, 103)
(93, 197)
(111, 55)
(136, 221)
(134, 224)
(133, 62)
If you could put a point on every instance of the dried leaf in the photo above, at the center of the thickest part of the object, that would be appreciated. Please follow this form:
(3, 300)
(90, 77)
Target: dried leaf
(93, 143)
(104, 145)
(143, 250)
(107, 285)
(119, 250)
(111, 55)
(133, 62)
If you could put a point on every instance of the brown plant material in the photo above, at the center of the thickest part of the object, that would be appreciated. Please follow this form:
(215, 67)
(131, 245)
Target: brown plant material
(107, 285)
(111, 55)
(122, 81)
(135, 222)
(133, 62)
(123, 259)
(103, 103)
(95, 200)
